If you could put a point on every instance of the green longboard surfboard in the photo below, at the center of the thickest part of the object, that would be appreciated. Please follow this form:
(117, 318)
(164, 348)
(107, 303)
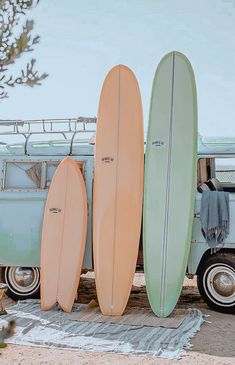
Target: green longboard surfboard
(170, 181)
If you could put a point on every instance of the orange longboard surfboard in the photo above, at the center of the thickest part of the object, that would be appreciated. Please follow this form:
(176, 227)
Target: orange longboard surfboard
(118, 189)
(63, 236)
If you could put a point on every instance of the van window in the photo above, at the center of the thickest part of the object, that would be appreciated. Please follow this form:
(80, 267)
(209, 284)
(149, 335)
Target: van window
(26, 175)
(225, 170)
(50, 170)
(205, 169)
(23, 175)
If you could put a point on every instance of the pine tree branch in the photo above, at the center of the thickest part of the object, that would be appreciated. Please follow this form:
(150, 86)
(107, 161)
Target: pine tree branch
(12, 46)
(21, 44)
(29, 77)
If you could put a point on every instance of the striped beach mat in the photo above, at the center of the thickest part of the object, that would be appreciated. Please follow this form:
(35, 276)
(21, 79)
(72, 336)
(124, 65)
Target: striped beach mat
(132, 316)
(55, 328)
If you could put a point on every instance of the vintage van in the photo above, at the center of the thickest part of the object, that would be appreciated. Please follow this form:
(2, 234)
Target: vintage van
(26, 169)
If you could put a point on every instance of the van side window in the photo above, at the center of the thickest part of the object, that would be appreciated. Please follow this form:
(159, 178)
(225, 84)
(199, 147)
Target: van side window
(51, 167)
(225, 171)
(205, 169)
(29, 175)
(23, 175)
(50, 170)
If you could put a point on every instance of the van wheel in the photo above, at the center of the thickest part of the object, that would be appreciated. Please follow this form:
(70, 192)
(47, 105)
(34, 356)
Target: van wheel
(216, 282)
(22, 282)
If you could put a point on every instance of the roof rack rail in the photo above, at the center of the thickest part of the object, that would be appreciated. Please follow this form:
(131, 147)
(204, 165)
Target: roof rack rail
(66, 127)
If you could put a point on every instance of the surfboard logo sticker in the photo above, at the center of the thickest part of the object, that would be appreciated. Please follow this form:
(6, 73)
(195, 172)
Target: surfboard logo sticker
(107, 160)
(55, 210)
(158, 143)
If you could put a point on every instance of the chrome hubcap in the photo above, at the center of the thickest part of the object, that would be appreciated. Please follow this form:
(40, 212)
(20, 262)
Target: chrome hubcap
(22, 280)
(224, 284)
(220, 284)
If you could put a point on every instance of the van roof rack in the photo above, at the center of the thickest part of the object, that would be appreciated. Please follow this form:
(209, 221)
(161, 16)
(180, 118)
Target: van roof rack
(68, 128)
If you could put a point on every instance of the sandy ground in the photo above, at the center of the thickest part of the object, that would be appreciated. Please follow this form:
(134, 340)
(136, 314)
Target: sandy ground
(214, 344)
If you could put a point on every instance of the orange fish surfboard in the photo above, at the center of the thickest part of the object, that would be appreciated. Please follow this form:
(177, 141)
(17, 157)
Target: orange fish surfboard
(118, 189)
(63, 236)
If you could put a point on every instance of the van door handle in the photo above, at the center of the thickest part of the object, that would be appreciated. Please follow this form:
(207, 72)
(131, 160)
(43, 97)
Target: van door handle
(196, 215)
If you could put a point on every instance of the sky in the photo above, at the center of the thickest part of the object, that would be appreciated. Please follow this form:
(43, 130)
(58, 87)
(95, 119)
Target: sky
(82, 40)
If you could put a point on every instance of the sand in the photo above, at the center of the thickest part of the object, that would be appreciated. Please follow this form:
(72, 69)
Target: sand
(214, 344)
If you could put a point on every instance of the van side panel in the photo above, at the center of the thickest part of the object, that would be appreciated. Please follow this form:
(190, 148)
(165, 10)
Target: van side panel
(21, 216)
(20, 228)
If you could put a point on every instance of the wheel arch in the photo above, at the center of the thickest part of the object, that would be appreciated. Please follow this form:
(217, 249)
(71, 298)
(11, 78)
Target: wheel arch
(208, 253)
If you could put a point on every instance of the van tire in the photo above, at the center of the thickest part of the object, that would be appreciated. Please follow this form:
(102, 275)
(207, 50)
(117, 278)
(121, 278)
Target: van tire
(23, 282)
(216, 281)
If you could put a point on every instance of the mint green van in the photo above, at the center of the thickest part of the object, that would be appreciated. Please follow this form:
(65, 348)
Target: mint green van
(215, 272)
(26, 169)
